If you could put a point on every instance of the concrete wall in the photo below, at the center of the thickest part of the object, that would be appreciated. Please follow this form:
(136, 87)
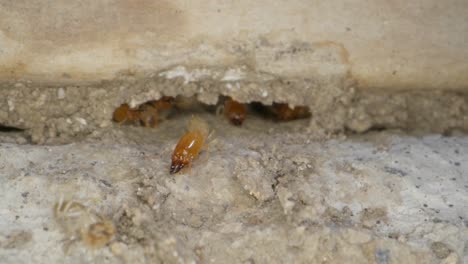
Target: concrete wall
(398, 44)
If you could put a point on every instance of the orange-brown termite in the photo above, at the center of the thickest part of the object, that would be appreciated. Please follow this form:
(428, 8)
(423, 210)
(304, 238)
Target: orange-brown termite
(189, 145)
(146, 114)
(124, 113)
(285, 113)
(164, 103)
(149, 111)
(235, 112)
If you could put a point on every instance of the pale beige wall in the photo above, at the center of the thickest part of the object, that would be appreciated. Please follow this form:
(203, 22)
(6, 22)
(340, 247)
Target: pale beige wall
(381, 43)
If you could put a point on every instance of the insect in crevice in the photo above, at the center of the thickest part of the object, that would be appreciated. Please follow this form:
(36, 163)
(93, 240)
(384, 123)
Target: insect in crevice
(147, 114)
(234, 111)
(124, 113)
(283, 112)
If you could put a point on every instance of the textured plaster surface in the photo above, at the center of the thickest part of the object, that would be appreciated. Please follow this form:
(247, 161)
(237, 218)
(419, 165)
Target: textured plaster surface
(264, 193)
(391, 45)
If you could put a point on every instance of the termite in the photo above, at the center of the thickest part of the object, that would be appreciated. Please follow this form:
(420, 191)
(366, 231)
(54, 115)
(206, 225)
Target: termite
(285, 113)
(190, 145)
(235, 112)
(150, 111)
(147, 114)
(124, 113)
(79, 222)
(164, 103)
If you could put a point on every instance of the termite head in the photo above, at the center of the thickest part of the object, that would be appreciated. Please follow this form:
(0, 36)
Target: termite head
(236, 120)
(176, 166)
(235, 112)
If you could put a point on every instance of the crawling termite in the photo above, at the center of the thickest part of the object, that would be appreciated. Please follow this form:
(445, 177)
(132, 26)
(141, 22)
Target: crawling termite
(190, 144)
(80, 223)
(235, 112)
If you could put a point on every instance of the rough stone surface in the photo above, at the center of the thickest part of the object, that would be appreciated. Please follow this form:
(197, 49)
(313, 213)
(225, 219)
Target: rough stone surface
(60, 114)
(391, 45)
(378, 198)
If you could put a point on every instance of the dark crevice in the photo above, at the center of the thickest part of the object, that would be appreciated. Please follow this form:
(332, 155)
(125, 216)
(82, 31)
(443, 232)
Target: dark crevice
(151, 113)
(10, 129)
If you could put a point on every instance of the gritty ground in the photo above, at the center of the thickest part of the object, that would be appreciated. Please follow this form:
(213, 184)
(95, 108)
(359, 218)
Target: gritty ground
(261, 193)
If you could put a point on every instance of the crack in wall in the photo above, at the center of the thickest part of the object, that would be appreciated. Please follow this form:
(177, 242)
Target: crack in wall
(65, 113)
